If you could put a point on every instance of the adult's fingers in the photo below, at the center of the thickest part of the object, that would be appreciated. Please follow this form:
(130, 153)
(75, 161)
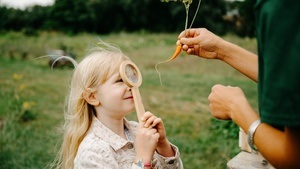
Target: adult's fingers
(187, 33)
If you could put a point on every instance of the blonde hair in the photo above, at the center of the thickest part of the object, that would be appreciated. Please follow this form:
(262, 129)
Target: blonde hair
(91, 72)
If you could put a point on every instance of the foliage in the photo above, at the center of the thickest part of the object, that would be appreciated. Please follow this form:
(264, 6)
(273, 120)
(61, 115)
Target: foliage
(106, 16)
(70, 16)
(248, 18)
(242, 17)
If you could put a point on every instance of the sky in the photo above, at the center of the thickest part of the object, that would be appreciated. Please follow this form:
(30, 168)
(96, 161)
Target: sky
(22, 4)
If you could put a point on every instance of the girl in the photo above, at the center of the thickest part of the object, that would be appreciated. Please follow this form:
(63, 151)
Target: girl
(97, 134)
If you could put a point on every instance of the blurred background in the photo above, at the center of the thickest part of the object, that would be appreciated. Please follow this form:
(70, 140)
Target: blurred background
(106, 16)
(33, 33)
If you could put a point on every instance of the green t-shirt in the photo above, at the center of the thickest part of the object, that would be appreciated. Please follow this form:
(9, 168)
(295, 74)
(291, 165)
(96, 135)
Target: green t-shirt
(278, 36)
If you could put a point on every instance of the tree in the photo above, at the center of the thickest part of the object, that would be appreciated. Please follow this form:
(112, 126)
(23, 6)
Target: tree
(70, 16)
(241, 17)
(106, 16)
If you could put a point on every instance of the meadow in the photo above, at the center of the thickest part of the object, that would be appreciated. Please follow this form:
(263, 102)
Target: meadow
(32, 96)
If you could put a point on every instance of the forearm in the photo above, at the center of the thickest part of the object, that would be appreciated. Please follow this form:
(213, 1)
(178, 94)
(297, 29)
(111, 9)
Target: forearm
(240, 59)
(280, 148)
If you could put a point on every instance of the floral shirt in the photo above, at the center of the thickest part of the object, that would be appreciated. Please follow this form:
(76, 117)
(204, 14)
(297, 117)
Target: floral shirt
(103, 149)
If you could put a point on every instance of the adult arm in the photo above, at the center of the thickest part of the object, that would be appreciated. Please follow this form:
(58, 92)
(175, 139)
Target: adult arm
(280, 148)
(205, 44)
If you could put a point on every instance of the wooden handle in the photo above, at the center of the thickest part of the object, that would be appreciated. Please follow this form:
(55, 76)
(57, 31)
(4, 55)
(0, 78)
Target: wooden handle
(139, 107)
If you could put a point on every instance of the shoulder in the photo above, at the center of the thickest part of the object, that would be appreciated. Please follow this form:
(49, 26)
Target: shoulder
(92, 143)
(92, 152)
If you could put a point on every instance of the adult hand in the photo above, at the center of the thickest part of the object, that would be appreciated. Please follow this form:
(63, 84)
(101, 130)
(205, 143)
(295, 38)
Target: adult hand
(200, 42)
(227, 102)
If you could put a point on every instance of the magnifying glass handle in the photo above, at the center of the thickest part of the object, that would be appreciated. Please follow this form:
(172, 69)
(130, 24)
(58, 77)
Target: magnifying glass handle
(139, 107)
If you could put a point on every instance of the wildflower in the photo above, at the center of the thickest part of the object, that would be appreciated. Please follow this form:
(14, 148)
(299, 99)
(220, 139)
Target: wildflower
(27, 105)
(21, 87)
(17, 76)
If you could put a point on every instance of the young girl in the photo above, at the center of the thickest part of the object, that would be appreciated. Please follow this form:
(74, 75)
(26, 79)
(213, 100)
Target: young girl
(97, 134)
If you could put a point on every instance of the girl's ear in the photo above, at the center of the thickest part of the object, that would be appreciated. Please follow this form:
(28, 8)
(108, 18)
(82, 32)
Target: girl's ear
(90, 98)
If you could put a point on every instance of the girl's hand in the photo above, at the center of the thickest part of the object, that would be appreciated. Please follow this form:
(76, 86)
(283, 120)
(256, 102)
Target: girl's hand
(152, 121)
(146, 142)
(163, 146)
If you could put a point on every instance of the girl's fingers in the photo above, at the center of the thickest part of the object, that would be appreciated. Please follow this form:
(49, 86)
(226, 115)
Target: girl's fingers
(149, 121)
(141, 124)
(156, 122)
(152, 131)
(146, 115)
(154, 134)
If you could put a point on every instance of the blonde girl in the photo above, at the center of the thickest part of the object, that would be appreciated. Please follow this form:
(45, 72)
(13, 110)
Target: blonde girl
(97, 134)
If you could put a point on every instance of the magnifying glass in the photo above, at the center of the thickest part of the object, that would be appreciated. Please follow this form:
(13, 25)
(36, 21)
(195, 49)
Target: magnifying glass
(132, 77)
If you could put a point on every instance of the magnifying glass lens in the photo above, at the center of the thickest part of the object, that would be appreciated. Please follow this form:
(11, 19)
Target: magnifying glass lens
(131, 73)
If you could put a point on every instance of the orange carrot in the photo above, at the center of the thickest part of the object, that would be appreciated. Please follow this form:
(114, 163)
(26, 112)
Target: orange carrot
(176, 53)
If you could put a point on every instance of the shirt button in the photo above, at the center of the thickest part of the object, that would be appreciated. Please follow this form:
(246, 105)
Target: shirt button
(171, 162)
(130, 146)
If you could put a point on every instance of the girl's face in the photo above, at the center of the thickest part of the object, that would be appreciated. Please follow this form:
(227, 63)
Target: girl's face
(115, 97)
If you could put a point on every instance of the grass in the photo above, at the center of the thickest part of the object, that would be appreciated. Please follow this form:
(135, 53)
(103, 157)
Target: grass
(32, 96)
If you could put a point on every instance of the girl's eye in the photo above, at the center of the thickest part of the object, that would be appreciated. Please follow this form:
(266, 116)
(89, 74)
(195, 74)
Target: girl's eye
(119, 80)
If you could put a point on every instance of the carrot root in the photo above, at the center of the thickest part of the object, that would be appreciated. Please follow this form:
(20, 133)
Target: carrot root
(176, 53)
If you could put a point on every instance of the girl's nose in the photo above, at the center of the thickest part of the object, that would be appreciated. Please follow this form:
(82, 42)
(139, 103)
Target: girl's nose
(128, 89)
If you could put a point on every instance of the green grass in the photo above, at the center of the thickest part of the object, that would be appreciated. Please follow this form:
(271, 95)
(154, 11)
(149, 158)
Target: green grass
(30, 136)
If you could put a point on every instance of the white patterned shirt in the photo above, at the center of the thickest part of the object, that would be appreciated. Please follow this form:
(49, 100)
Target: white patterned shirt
(101, 148)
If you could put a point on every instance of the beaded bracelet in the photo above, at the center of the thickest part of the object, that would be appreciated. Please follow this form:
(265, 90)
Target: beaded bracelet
(147, 165)
(141, 165)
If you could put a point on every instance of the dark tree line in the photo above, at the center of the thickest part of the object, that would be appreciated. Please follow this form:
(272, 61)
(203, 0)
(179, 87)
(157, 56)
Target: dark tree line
(107, 16)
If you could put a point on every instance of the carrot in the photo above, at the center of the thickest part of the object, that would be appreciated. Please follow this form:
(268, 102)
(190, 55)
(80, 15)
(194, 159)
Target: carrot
(176, 53)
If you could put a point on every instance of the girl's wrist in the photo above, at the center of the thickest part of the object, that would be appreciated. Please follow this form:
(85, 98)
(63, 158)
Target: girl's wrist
(148, 165)
(141, 164)
(166, 150)
(163, 145)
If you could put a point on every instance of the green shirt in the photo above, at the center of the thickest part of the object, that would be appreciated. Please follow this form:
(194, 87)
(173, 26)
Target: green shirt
(278, 36)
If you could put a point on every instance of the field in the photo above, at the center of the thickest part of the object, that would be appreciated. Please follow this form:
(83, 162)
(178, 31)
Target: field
(32, 96)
